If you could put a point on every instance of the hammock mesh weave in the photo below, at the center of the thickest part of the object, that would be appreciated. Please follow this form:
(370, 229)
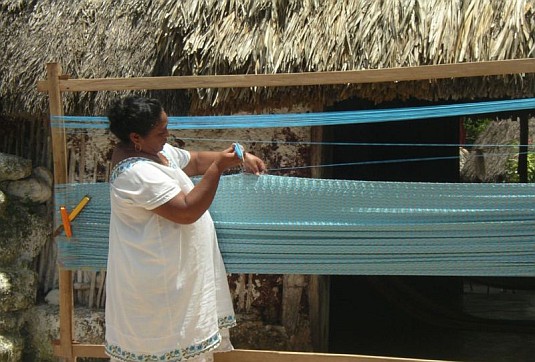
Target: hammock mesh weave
(288, 225)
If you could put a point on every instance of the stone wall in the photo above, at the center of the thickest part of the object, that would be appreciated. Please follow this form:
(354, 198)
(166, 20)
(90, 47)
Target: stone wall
(25, 228)
(27, 326)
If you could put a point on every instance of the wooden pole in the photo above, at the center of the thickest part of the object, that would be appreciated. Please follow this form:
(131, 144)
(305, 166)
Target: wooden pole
(283, 356)
(523, 148)
(58, 133)
(66, 305)
(425, 72)
(243, 355)
(318, 285)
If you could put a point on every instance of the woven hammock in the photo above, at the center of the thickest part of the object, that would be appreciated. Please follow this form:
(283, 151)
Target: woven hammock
(276, 224)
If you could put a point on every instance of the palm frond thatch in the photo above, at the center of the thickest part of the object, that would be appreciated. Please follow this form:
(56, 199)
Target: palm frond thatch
(105, 38)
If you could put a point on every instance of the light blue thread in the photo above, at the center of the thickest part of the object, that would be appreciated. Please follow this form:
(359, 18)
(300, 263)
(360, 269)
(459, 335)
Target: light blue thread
(315, 119)
(273, 224)
(238, 150)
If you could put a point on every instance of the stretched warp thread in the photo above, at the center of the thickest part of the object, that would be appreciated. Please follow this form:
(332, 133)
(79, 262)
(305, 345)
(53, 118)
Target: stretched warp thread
(316, 119)
(275, 224)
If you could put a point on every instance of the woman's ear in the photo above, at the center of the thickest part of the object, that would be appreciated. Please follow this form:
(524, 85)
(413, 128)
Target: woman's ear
(135, 138)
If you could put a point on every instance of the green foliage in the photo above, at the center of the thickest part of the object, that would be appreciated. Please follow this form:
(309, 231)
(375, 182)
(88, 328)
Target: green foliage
(474, 127)
(511, 168)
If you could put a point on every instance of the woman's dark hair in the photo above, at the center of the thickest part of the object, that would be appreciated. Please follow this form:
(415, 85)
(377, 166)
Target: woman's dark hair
(133, 114)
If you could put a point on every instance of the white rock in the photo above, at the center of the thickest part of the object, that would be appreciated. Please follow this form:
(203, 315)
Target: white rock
(52, 297)
(43, 174)
(29, 189)
(2, 202)
(13, 167)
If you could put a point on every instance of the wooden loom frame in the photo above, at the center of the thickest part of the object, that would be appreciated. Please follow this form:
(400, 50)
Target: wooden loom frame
(57, 83)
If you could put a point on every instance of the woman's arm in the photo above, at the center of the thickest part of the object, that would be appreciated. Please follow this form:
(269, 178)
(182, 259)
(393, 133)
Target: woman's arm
(200, 161)
(188, 208)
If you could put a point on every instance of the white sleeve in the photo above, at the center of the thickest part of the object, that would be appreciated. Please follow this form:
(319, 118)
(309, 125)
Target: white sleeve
(145, 185)
(179, 155)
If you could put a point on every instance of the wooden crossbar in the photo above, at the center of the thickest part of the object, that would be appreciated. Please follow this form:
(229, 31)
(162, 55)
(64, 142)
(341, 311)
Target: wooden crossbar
(243, 355)
(283, 356)
(441, 71)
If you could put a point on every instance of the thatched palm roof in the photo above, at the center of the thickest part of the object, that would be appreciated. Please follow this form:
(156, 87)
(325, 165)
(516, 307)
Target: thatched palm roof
(111, 38)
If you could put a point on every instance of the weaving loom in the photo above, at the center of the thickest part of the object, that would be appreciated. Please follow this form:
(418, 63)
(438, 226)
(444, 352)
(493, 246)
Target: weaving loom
(290, 225)
(343, 227)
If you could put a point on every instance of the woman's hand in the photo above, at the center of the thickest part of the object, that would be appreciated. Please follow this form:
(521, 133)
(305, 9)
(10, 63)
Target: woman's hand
(201, 161)
(253, 164)
(227, 159)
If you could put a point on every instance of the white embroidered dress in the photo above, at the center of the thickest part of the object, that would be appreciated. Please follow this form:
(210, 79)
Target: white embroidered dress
(166, 288)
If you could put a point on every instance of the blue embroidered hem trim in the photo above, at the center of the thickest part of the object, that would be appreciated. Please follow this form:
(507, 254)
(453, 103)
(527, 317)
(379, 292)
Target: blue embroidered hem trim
(226, 322)
(179, 354)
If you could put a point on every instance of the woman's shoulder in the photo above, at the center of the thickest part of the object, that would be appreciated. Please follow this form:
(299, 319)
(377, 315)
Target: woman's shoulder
(126, 165)
(178, 155)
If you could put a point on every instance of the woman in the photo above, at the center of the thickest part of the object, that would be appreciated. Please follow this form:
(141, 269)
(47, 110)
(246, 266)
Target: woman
(167, 291)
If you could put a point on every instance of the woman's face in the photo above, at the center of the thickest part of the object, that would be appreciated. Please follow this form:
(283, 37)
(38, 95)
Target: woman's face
(154, 141)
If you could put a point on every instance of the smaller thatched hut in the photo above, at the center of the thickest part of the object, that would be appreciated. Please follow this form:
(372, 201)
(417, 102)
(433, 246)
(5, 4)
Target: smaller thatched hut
(495, 153)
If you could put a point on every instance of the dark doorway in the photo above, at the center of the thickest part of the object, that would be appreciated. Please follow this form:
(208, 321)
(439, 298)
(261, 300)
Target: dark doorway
(404, 316)
(417, 158)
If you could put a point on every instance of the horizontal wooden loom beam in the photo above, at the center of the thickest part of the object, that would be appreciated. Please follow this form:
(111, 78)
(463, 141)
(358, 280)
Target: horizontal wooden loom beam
(244, 355)
(425, 72)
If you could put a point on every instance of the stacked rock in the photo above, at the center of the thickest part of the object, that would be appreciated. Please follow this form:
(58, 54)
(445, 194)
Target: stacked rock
(25, 228)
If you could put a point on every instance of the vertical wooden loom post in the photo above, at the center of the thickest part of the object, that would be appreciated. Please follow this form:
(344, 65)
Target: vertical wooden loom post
(522, 167)
(59, 153)
(319, 285)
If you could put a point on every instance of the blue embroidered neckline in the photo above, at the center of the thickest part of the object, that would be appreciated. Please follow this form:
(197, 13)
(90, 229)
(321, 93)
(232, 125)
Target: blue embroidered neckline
(124, 165)
(127, 163)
